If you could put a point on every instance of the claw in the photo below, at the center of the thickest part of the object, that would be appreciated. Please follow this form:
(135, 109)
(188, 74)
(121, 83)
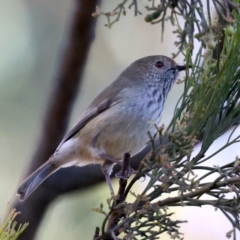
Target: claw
(127, 173)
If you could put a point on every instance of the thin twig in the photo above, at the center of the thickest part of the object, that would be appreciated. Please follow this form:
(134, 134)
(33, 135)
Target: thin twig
(116, 215)
(97, 231)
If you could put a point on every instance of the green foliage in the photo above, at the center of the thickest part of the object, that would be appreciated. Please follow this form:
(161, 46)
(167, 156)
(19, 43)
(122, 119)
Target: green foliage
(193, 13)
(208, 107)
(211, 94)
(8, 228)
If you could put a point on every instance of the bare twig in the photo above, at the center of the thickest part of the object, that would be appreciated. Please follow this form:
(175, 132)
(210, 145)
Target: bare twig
(116, 215)
(200, 191)
(97, 231)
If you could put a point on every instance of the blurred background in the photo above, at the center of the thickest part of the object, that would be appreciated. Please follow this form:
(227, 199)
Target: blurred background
(31, 35)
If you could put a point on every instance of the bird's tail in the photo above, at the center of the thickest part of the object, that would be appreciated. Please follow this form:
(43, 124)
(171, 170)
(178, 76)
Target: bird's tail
(35, 179)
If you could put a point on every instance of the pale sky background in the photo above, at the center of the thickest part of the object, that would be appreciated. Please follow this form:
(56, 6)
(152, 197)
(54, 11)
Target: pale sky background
(31, 33)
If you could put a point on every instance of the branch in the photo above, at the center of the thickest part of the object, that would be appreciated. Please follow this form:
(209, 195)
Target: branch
(116, 215)
(64, 91)
(205, 189)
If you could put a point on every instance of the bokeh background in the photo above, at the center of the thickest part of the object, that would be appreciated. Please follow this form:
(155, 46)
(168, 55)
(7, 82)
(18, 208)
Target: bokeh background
(31, 35)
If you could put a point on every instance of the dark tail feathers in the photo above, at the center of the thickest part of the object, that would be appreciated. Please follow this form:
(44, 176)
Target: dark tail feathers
(35, 179)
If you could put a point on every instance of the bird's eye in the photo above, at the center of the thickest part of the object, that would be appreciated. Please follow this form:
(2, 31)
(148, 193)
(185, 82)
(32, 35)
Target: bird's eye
(159, 64)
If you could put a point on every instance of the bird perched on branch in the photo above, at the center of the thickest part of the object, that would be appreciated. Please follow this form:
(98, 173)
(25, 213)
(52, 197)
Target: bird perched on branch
(119, 119)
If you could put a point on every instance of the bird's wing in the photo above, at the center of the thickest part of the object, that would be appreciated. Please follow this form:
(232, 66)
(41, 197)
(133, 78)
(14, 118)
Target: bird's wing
(89, 115)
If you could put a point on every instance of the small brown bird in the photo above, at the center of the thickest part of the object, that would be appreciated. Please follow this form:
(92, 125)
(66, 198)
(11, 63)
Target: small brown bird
(117, 120)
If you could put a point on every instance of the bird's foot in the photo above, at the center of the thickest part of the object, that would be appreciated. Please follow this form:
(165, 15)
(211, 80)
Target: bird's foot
(127, 173)
(110, 159)
(126, 170)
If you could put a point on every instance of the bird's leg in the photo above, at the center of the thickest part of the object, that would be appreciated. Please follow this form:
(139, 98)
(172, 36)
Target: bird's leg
(107, 169)
(128, 170)
(109, 182)
(109, 159)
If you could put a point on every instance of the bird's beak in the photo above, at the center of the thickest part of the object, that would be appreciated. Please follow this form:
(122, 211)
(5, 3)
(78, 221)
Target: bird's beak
(180, 68)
